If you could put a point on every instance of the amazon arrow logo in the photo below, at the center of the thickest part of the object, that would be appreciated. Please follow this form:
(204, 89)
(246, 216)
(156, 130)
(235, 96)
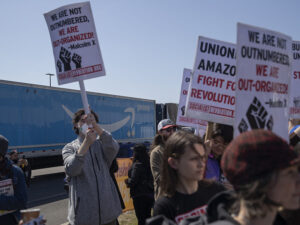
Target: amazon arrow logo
(114, 126)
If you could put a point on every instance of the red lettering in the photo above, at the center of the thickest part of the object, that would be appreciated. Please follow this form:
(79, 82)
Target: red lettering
(261, 70)
(210, 81)
(194, 93)
(203, 211)
(55, 43)
(263, 85)
(205, 95)
(245, 84)
(72, 29)
(296, 75)
(231, 85)
(61, 32)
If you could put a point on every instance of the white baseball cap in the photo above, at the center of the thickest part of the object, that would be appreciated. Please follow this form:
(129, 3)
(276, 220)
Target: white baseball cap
(164, 124)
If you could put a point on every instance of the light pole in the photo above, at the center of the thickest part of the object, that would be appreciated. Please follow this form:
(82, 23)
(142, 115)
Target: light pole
(50, 75)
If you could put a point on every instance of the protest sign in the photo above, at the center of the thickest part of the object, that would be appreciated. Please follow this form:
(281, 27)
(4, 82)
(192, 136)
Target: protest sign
(262, 80)
(182, 120)
(75, 44)
(211, 95)
(124, 165)
(6, 189)
(295, 82)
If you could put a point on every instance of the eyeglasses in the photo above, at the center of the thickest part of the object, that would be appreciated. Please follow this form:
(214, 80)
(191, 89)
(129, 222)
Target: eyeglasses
(169, 129)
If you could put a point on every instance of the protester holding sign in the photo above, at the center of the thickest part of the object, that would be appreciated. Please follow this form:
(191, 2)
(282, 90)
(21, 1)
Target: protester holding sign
(93, 195)
(13, 193)
(185, 193)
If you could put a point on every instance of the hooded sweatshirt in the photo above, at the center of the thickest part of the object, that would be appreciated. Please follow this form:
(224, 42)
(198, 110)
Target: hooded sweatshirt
(18, 200)
(93, 198)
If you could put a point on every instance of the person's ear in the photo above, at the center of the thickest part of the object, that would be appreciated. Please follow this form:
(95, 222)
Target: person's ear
(173, 163)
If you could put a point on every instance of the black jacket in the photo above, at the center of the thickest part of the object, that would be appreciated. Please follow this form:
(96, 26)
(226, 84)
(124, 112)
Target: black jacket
(217, 209)
(140, 180)
(19, 199)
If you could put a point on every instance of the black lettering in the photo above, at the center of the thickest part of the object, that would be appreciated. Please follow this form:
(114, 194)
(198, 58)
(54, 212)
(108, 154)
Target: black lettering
(62, 13)
(226, 69)
(75, 11)
(268, 40)
(264, 55)
(69, 21)
(81, 45)
(296, 55)
(219, 68)
(201, 65)
(53, 17)
(232, 70)
(212, 66)
(296, 46)
(253, 36)
(281, 43)
(216, 49)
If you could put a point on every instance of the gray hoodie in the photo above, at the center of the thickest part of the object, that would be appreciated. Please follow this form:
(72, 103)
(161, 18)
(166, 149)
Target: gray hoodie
(93, 198)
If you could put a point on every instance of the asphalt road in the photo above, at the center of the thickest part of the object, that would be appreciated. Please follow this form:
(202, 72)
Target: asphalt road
(46, 193)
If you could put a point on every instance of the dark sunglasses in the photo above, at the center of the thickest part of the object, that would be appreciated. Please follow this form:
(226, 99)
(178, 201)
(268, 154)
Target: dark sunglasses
(169, 129)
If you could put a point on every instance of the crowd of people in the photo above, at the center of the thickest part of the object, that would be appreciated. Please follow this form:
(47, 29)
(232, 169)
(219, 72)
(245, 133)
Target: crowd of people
(253, 179)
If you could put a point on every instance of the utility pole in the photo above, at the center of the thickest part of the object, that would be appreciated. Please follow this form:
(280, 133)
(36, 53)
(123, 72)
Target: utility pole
(50, 75)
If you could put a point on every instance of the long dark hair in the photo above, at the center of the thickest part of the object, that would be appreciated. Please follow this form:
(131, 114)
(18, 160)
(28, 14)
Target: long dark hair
(140, 154)
(175, 147)
(157, 140)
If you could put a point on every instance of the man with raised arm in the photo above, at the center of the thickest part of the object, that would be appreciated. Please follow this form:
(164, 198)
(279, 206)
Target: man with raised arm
(93, 198)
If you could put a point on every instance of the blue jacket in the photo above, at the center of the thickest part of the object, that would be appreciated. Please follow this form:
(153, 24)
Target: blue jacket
(213, 170)
(19, 199)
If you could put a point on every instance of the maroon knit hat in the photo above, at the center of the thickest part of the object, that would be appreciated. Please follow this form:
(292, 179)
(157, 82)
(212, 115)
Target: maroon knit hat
(254, 154)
